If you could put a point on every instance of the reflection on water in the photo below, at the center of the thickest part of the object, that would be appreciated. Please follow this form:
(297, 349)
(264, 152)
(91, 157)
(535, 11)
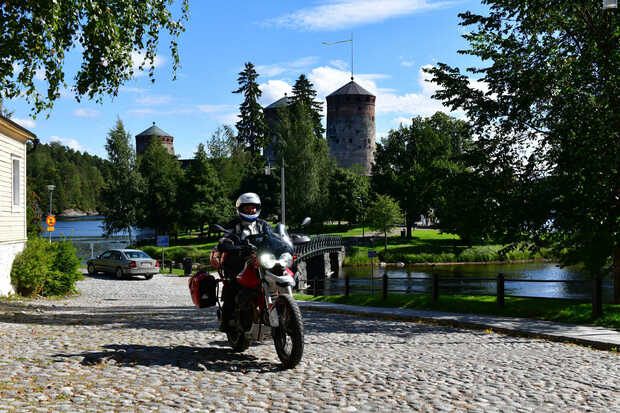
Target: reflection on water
(87, 235)
(477, 279)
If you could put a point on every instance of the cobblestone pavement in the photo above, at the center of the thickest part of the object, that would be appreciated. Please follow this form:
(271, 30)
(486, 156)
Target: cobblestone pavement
(140, 346)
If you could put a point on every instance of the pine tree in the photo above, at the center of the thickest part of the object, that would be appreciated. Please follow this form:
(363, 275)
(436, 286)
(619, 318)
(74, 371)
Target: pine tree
(120, 194)
(252, 129)
(304, 93)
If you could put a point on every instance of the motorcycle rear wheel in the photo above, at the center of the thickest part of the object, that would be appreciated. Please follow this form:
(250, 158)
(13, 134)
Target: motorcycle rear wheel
(288, 337)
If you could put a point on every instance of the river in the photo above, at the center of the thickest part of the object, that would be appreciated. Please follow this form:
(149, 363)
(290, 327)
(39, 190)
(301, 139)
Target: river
(86, 233)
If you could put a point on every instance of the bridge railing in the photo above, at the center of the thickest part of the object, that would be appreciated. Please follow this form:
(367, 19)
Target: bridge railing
(317, 244)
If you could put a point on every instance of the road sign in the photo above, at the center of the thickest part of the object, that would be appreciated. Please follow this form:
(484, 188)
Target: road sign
(162, 240)
(51, 220)
(50, 229)
(372, 254)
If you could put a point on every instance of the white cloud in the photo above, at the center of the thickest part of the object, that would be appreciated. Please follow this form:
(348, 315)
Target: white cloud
(339, 14)
(137, 57)
(39, 74)
(26, 123)
(407, 63)
(71, 143)
(286, 67)
(339, 64)
(401, 121)
(87, 113)
(274, 90)
(154, 100)
(215, 108)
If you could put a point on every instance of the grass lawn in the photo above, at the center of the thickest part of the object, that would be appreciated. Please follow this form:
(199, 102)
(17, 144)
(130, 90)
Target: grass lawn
(565, 311)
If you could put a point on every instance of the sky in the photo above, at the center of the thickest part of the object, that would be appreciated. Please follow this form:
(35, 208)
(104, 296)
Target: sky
(392, 41)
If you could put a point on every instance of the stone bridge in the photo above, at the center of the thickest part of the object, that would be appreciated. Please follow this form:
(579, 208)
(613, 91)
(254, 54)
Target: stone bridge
(320, 258)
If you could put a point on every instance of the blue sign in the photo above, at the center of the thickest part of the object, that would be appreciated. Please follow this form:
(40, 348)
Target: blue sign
(372, 254)
(162, 240)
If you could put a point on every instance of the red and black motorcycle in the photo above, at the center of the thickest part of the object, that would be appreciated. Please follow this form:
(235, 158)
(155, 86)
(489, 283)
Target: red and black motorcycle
(264, 305)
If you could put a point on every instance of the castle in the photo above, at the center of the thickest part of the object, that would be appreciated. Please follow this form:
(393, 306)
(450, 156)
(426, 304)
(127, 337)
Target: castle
(351, 128)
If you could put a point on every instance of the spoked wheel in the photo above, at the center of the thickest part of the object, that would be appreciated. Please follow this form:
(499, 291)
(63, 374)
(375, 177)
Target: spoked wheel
(288, 337)
(237, 340)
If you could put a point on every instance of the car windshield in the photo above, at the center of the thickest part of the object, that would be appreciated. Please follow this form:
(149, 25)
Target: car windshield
(136, 254)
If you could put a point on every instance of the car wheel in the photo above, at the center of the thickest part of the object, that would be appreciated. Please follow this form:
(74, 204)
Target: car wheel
(91, 269)
(148, 276)
(119, 273)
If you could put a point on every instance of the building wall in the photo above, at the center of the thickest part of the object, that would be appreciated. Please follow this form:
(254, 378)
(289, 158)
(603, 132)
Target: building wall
(12, 219)
(143, 141)
(351, 130)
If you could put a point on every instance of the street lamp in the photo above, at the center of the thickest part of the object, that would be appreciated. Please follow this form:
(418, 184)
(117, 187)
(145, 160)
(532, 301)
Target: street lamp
(282, 188)
(51, 189)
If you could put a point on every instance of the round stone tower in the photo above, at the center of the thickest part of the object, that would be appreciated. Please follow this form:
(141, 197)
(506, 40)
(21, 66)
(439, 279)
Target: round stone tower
(351, 126)
(144, 139)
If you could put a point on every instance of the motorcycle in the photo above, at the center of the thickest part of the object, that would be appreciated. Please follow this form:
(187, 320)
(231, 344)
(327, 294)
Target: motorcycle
(264, 306)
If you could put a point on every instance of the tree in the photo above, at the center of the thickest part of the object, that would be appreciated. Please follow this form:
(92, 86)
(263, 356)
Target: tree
(121, 192)
(7, 113)
(349, 193)
(307, 164)
(160, 203)
(252, 129)
(37, 36)
(304, 93)
(201, 191)
(412, 163)
(551, 70)
(383, 215)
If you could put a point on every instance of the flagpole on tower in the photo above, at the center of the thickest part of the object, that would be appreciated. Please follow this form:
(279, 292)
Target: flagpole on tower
(344, 41)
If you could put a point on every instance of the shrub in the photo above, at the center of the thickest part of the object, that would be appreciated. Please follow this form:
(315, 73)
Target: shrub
(45, 269)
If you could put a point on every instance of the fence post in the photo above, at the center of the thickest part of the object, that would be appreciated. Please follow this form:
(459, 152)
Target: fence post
(597, 300)
(315, 290)
(170, 266)
(435, 289)
(347, 285)
(500, 289)
(384, 292)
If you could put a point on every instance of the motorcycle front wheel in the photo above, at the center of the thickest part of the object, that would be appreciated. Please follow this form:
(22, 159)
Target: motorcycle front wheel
(288, 337)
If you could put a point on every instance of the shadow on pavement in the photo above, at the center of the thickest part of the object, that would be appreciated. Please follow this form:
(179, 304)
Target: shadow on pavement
(190, 358)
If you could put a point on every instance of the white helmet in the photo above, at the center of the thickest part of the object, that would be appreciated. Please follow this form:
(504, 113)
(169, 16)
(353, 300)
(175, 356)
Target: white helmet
(249, 198)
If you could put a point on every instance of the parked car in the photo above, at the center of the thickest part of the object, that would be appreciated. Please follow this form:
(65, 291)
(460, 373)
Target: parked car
(123, 263)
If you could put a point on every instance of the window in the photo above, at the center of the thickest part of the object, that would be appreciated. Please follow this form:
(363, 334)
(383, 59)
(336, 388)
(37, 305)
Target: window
(17, 188)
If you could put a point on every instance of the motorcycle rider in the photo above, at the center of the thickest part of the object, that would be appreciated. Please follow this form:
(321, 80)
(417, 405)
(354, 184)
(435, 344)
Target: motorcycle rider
(247, 223)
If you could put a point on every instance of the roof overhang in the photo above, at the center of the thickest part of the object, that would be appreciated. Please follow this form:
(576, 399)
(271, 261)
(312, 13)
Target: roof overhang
(15, 131)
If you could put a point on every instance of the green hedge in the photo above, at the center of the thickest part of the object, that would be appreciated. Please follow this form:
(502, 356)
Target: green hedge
(177, 254)
(46, 269)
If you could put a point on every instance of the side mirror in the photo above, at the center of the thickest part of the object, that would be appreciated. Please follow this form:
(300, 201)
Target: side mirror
(305, 222)
(218, 227)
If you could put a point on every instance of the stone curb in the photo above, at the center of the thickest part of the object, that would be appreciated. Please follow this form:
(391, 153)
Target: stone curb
(371, 312)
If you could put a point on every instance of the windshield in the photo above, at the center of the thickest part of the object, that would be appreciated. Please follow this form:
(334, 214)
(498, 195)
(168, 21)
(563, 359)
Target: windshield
(136, 254)
(276, 242)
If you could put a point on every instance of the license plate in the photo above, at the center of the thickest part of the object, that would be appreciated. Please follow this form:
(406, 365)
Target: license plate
(146, 264)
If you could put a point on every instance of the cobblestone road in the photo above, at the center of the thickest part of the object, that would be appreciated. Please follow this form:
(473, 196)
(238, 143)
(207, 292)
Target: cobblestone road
(136, 345)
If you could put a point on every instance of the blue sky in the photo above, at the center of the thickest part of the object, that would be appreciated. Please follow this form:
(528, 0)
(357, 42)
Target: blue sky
(393, 40)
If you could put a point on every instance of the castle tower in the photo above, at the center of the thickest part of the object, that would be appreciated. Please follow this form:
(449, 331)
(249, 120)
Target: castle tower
(144, 139)
(351, 126)
(273, 119)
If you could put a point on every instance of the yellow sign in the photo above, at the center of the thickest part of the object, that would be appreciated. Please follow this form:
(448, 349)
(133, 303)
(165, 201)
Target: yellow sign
(51, 220)
(49, 229)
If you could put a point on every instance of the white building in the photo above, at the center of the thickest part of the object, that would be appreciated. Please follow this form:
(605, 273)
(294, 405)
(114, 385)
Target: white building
(12, 197)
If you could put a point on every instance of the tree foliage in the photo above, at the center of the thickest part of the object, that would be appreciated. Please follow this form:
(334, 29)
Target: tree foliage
(548, 123)
(349, 195)
(78, 177)
(383, 215)
(160, 199)
(412, 164)
(252, 131)
(38, 36)
(304, 93)
(307, 164)
(123, 186)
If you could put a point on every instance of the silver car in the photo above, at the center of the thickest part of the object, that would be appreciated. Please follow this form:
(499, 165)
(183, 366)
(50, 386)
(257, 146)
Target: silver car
(123, 263)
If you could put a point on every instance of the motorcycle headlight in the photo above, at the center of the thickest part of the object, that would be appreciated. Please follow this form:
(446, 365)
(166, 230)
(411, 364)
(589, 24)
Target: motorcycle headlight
(267, 260)
(286, 260)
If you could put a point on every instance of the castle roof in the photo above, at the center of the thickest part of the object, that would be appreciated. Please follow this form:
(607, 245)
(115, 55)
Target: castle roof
(280, 103)
(153, 131)
(351, 88)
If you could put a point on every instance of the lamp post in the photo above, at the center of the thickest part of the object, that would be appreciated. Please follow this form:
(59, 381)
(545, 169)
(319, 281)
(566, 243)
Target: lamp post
(282, 188)
(51, 189)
